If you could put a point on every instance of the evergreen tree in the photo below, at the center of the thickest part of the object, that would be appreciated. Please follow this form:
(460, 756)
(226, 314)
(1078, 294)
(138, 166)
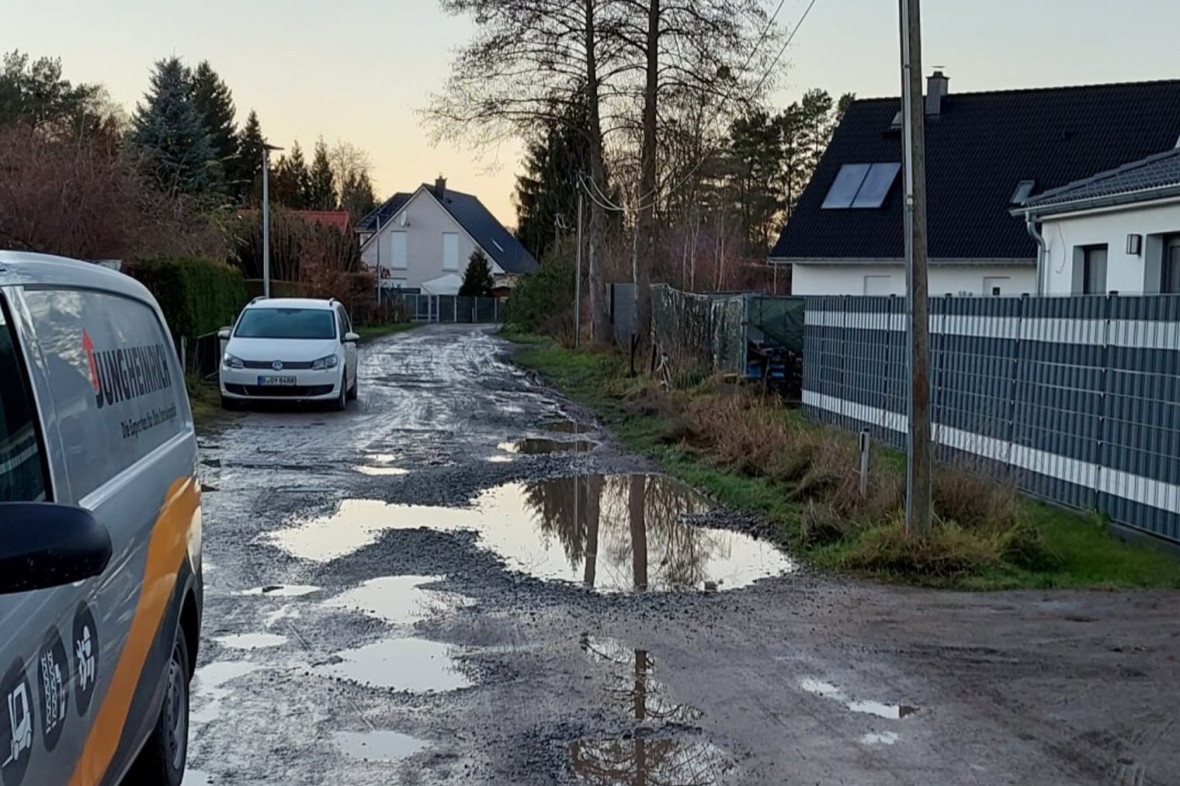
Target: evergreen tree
(169, 130)
(477, 280)
(756, 149)
(245, 173)
(547, 193)
(216, 104)
(322, 193)
(291, 182)
(356, 195)
(35, 93)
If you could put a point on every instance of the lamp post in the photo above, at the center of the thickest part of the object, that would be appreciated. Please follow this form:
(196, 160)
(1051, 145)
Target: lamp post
(266, 148)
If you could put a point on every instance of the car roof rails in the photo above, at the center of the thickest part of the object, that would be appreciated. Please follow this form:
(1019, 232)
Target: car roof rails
(255, 300)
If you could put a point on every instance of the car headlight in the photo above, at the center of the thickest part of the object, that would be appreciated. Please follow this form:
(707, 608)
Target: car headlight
(229, 361)
(331, 361)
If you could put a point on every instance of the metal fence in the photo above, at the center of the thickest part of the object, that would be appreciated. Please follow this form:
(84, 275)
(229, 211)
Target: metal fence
(1078, 398)
(454, 309)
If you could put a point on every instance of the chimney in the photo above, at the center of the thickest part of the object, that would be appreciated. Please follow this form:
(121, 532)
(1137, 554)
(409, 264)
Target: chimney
(937, 86)
(440, 187)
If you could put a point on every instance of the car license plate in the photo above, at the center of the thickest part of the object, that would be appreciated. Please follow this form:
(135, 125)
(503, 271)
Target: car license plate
(276, 381)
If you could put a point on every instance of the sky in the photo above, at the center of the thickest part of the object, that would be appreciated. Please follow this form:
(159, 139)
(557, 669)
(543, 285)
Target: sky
(361, 71)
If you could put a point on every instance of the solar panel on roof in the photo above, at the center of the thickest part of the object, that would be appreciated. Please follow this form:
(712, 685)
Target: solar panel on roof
(1023, 191)
(876, 186)
(848, 181)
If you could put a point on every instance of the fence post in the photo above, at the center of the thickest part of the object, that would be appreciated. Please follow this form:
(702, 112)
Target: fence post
(1013, 380)
(864, 463)
(1103, 394)
(455, 310)
(496, 310)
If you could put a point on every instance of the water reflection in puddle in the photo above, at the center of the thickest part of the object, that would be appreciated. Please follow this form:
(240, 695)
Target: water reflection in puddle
(830, 691)
(381, 471)
(251, 641)
(399, 599)
(665, 761)
(611, 533)
(880, 738)
(196, 778)
(644, 756)
(379, 745)
(208, 688)
(537, 447)
(414, 665)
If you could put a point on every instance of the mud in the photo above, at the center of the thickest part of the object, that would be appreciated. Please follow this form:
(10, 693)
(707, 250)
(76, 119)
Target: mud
(422, 592)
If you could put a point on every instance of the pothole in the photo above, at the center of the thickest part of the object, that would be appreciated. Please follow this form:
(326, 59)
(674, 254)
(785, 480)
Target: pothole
(282, 590)
(399, 599)
(379, 745)
(610, 533)
(411, 665)
(539, 446)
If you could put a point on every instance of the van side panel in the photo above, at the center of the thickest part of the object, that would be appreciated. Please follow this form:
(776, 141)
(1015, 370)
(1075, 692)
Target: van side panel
(129, 450)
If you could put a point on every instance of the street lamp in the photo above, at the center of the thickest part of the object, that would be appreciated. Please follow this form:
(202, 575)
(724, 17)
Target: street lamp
(266, 148)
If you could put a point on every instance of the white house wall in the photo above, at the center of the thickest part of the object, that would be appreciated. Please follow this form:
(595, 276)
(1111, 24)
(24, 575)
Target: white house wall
(426, 223)
(1125, 273)
(889, 279)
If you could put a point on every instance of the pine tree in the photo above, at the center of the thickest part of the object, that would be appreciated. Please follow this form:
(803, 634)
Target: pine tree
(169, 130)
(245, 173)
(291, 181)
(322, 193)
(477, 280)
(216, 104)
(356, 196)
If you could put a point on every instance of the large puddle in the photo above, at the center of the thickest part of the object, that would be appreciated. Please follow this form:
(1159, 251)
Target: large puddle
(538, 446)
(413, 665)
(379, 745)
(610, 533)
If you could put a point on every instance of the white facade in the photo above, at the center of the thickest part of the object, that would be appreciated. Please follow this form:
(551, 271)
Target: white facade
(1068, 237)
(421, 244)
(888, 278)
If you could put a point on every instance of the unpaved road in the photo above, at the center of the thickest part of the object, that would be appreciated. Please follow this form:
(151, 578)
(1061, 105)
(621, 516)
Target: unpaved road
(396, 594)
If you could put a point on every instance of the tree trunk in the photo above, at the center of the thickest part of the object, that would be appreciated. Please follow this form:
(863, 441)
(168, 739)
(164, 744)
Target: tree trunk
(644, 249)
(593, 514)
(599, 318)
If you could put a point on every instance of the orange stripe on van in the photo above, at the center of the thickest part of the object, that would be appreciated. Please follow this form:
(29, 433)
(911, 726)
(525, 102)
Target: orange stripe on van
(164, 557)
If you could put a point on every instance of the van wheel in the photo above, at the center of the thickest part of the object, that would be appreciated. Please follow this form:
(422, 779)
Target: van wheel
(163, 757)
(341, 402)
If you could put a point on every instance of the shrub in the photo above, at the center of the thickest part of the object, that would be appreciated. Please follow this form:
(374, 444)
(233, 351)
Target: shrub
(950, 552)
(543, 302)
(197, 295)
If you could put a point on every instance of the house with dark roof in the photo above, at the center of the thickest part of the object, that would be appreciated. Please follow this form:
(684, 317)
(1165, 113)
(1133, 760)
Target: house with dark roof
(1116, 231)
(986, 154)
(422, 241)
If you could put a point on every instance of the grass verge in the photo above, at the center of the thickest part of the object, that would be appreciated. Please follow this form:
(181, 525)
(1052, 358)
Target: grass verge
(752, 455)
(204, 398)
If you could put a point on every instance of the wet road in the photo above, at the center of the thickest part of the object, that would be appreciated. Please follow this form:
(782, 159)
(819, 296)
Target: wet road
(439, 586)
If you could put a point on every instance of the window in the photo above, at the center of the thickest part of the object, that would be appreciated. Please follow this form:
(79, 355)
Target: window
(861, 186)
(1094, 270)
(1171, 272)
(296, 323)
(450, 251)
(398, 252)
(22, 472)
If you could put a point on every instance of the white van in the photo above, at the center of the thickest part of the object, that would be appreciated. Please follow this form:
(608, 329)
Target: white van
(100, 530)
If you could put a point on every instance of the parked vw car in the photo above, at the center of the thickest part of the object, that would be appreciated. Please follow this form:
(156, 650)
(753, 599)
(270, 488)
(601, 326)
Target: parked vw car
(100, 530)
(290, 349)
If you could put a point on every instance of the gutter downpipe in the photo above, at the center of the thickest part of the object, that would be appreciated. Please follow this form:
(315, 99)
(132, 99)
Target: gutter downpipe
(1042, 251)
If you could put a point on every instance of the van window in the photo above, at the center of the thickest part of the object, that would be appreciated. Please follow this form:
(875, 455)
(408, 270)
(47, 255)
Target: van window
(22, 468)
(113, 377)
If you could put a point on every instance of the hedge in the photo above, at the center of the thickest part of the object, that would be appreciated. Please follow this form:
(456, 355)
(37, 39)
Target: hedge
(197, 295)
(278, 288)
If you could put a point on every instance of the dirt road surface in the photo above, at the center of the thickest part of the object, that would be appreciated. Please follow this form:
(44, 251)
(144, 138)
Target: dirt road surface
(400, 593)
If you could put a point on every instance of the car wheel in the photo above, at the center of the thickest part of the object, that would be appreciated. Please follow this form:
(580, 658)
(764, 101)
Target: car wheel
(352, 391)
(341, 402)
(163, 757)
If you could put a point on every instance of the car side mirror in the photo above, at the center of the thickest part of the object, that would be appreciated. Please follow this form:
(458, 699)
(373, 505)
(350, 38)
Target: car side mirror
(45, 545)
(223, 334)
(351, 338)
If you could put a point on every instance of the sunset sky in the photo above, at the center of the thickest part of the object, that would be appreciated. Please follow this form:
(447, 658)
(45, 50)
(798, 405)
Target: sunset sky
(358, 70)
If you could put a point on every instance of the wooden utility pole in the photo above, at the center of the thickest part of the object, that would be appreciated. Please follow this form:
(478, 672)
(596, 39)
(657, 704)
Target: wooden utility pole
(913, 111)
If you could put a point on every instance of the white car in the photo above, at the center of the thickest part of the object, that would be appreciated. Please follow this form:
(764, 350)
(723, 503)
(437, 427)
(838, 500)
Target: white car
(290, 349)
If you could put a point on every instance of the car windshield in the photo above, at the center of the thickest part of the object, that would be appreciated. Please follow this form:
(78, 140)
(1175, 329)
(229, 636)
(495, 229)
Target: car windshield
(306, 323)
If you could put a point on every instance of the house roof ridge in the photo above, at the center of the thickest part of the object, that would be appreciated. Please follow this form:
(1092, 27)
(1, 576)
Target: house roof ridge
(1108, 174)
(1022, 90)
